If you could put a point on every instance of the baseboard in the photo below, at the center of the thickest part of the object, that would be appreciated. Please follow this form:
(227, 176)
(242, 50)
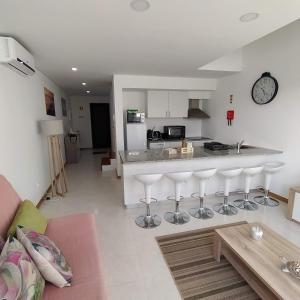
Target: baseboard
(277, 197)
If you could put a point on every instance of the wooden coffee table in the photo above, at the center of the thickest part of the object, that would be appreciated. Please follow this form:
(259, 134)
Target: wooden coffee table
(258, 262)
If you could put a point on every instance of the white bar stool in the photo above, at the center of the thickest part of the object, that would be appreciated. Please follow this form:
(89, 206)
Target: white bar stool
(225, 208)
(246, 203)
(269, 169)
(148, 220)
(202, 212)
(178, 217)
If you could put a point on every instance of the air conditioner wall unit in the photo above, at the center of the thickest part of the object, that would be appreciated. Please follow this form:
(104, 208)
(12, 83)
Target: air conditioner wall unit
(16, 57)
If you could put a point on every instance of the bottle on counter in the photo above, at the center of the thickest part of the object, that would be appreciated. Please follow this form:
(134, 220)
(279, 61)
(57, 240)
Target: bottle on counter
(184, 143)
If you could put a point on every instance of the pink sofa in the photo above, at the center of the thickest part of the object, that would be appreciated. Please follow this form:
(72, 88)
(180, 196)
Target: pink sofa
(76, 236)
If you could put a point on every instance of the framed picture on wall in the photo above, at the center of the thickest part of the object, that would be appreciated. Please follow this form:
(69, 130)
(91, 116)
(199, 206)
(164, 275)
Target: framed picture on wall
(64, 107)
(49, 101)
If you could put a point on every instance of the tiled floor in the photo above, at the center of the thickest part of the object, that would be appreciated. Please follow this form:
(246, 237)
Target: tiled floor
(133, 266)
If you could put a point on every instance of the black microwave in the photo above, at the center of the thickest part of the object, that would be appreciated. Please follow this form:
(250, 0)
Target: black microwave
(174, 132)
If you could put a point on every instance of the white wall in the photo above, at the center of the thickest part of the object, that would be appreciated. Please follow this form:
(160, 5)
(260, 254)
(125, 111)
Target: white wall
(274, 125)
(23, 150)
(81, 119)
(134, 99)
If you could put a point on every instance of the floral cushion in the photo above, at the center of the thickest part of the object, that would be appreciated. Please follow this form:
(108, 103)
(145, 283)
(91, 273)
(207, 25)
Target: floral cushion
(48, 258)
(19, 277)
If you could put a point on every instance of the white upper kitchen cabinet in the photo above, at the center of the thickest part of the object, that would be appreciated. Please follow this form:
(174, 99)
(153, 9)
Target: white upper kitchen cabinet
(167, 104)
(178, 104)
(157, 104)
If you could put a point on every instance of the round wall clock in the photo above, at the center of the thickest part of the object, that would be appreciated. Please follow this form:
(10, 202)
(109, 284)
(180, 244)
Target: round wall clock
(264, 89)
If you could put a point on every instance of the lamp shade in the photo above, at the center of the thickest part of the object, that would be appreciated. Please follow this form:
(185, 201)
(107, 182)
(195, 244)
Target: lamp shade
(52, 127)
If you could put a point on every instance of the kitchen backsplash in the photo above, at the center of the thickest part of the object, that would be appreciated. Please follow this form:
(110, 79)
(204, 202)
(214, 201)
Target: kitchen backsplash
(193, 126)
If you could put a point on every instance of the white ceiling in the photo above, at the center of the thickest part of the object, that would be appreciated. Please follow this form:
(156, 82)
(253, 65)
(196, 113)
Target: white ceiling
(103, 37)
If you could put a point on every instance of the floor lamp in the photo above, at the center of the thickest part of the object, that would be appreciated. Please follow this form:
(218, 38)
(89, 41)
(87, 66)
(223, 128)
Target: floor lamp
(53, 129)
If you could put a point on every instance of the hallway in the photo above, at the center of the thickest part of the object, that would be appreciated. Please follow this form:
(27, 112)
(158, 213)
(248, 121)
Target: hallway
(132, 263)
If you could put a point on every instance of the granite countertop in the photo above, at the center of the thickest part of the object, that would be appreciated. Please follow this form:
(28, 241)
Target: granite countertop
(156, 155)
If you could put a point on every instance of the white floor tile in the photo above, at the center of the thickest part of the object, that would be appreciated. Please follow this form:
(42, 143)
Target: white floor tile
(129, 291)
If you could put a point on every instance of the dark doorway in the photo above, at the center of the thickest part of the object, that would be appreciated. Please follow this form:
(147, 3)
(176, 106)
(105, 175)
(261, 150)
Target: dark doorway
(100, 122)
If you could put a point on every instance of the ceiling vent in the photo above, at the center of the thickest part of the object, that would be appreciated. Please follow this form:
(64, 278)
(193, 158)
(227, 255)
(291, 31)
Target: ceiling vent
(16, 57)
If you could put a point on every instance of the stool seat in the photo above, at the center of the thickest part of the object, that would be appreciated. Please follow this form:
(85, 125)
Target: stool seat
(178, 217)
(245, 203)
(230, 173)
(252, 171)
(205, 174)
(148, 178)
(270, 169)
(179, 176)
(273, 167)
(225, 208)
(202, 212)
(147, 220)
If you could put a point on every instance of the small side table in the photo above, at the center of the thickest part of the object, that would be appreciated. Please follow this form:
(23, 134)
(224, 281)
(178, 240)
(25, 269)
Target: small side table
(294, 204)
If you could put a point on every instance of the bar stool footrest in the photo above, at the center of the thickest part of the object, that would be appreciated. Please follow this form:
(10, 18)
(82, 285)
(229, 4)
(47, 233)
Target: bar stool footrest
(172, 198)
(143, 200)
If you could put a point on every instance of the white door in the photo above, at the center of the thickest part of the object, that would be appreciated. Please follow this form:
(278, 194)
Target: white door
(157, 104)
(178, 104)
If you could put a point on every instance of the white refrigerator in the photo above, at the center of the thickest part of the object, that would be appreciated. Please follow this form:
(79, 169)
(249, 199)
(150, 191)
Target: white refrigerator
(136, 136)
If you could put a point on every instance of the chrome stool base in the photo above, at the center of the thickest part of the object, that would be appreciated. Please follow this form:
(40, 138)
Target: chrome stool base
(201, 213)
(225, 209)
(177, 218)
(266, 201)
(245, 204)
(148, 222)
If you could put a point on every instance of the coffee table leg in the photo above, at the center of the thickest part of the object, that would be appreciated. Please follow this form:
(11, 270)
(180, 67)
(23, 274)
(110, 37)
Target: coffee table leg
(217, 248)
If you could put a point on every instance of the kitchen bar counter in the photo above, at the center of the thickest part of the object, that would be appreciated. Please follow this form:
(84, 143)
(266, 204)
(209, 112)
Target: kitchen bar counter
(158, 161)
(158, 155)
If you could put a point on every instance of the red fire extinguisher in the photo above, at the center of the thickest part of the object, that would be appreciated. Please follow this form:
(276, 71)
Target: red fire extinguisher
(230, 117)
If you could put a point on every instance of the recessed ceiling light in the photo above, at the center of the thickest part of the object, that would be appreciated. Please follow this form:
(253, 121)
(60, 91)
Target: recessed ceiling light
(84, 83)
(249, 17)
(88, 92)
(74, 69)
(140, 5)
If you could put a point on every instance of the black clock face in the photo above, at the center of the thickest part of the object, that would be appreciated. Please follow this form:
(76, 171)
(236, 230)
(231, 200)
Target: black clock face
(264, 89)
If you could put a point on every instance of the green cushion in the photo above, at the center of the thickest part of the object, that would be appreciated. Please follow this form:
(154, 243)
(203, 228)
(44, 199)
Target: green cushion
(29, 217)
